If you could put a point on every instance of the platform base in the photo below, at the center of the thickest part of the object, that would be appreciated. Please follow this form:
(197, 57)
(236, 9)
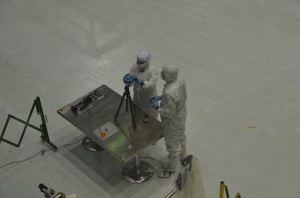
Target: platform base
(137, 175)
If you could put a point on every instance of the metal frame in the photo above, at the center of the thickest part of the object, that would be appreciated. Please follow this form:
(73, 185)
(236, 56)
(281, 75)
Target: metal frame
(43, 127)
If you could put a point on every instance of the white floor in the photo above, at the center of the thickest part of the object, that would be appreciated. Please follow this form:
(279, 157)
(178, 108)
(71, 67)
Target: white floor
(240, 60)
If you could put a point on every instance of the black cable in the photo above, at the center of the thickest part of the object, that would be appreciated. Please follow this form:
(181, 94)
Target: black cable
(42, 152)
(156, 160)
(20, 160)
(71, 143)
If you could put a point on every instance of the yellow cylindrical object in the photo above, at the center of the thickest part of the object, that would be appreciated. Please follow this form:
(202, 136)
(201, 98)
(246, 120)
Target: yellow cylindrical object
(222, 187)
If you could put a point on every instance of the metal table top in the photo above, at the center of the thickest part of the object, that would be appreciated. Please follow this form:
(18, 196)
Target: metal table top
(121, 140)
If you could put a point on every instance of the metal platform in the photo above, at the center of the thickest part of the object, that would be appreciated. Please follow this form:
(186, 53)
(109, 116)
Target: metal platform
(119, 138)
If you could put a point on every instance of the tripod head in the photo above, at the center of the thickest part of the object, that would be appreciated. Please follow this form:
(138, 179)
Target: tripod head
(126, 90)
(127, 86)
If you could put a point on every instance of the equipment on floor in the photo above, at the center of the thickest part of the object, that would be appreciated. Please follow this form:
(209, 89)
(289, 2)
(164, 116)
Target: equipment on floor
(50, 193)
(43, 127)
(186, 166)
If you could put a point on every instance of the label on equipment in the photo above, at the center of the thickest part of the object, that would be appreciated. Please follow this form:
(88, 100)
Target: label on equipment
(106, 130)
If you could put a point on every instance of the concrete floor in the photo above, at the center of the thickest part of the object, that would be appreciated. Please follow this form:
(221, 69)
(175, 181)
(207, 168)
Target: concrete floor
(240, 60)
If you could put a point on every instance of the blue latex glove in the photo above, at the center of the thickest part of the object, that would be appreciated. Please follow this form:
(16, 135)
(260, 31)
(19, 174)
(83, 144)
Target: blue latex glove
(138, 81)
(155, 98)
(153, 101)
(128, 78)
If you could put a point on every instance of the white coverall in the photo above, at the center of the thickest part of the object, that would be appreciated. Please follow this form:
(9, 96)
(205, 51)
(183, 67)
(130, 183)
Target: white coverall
(173, 115)
(149, 75)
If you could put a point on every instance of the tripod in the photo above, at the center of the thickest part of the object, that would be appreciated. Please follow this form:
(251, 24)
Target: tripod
(126, 95)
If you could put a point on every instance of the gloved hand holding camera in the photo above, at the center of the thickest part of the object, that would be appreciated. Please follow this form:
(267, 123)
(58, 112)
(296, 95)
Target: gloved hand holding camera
(129, 78)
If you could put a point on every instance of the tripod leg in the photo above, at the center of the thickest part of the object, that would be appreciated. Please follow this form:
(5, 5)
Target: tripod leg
(116, 115)
(131, 111)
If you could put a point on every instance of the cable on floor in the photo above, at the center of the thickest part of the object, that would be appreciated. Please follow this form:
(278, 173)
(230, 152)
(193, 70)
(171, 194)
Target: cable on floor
(155, 160)
(42, 152)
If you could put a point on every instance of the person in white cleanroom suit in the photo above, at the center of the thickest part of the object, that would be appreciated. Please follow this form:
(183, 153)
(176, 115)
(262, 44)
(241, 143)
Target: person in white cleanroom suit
(172, 111)
(144, 77)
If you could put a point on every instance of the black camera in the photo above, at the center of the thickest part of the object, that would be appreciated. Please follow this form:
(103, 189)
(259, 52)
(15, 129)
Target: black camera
(50, 193)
